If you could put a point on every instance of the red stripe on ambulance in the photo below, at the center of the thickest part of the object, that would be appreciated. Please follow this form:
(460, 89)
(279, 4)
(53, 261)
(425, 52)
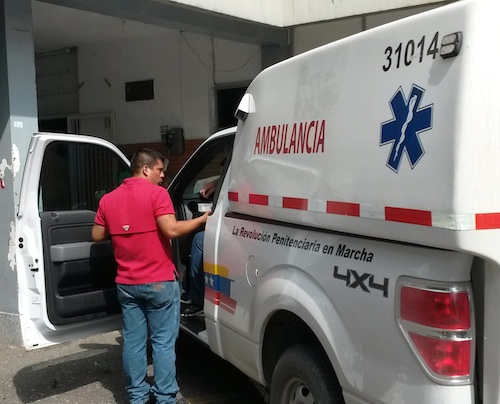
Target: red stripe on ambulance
(342, 208)
(485, 221)
(295, 203)
(232, 196)
(478, 221)
(256, 199)
(411, 216)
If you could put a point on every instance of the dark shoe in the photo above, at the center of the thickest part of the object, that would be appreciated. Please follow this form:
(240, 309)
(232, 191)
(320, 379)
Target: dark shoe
(185, 298)
(191, 310)
(181, 399)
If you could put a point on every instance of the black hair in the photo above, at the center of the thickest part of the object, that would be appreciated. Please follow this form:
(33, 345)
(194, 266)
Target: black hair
(145, 157)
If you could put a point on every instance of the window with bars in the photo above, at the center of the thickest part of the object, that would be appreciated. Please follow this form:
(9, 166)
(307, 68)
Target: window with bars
(57, 83)
(75, 176)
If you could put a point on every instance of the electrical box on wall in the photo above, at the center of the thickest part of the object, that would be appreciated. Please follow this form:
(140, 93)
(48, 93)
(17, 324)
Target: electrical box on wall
(175, 141)
(163, 133)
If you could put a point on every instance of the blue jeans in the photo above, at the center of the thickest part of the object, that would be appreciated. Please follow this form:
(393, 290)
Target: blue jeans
(153, 307)
(196, 274)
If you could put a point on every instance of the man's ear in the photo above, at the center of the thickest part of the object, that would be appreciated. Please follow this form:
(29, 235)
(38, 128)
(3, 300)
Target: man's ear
(145, 170)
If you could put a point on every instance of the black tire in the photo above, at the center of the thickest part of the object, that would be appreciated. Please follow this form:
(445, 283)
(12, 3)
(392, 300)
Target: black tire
(303, 375)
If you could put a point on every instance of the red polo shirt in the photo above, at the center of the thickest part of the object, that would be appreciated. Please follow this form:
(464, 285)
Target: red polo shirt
(129, 213)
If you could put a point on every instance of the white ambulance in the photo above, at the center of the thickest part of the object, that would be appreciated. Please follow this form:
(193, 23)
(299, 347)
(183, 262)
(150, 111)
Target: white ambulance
(353, 253)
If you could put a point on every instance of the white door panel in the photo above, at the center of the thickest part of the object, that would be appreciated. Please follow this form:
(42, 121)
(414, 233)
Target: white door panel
(66, 282)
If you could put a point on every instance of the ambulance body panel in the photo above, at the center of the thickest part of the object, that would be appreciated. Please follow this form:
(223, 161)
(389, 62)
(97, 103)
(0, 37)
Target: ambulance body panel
(354, 194)
(353, 320)
(335, 126)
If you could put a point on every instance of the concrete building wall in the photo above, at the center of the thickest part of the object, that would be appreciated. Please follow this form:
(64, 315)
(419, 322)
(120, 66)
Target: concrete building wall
(17, 123)
(184, 73)
(310, 36)
(185, 68)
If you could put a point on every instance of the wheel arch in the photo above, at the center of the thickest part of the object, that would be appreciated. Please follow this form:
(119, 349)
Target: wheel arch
(294, 310)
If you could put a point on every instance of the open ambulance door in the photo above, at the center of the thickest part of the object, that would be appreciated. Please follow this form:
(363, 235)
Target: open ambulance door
(66, 282)
(209, 163)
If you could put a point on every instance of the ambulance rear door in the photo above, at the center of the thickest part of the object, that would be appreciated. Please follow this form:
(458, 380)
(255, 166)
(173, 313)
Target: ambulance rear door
(66, 282)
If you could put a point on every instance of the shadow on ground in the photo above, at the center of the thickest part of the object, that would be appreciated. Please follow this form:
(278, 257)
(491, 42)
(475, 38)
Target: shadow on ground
(204, 378)
(97, 363)
(82, 377)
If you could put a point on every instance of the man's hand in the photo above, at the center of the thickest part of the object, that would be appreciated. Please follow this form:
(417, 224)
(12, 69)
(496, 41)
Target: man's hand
(208, 190)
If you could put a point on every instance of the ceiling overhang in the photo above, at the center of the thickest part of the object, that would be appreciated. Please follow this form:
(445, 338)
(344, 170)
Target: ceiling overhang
(182, 18)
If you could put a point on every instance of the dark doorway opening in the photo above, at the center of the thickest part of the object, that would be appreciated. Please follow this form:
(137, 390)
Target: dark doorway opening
(56, 125)
(227, 102)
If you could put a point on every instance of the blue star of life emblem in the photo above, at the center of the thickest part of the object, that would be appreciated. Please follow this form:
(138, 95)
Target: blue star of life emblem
(404, 129)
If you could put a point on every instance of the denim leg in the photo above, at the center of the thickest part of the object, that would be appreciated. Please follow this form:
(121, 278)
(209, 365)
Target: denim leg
(163, 319)
(134, 343)
(196, 274)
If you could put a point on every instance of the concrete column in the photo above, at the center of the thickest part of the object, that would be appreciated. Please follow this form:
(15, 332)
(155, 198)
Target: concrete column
(18, 120)
(274, 53)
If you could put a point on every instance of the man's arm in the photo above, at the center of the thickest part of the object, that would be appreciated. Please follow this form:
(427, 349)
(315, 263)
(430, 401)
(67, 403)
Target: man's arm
(170, 227)
(99, 233)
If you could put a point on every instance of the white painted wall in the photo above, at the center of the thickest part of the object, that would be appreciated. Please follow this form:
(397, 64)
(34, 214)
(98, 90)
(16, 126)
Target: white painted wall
(310, 36)
(285, 13)
(185, 74)
(181, 65)
(375, 20)
(306, 11)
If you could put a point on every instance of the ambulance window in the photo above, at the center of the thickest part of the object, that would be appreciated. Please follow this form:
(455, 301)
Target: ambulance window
(210, 169)
(207, 165)
(75, 176)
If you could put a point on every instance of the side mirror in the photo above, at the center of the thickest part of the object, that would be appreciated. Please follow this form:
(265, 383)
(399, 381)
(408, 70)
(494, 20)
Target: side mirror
(245, 107)
(175, 141)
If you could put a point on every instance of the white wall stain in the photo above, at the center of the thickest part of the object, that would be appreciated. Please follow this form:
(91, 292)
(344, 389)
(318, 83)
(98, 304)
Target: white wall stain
(11, 255)
(3, 166)
(14, 167)
(16, 160)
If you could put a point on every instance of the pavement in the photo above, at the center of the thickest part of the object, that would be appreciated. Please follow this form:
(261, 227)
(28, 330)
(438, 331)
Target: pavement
(80, 372)
(88, 371)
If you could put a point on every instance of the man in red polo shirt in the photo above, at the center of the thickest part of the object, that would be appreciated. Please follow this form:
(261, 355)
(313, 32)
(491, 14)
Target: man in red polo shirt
(140, 218)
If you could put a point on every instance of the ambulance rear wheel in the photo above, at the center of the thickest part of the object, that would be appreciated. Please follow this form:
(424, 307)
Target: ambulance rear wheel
(303, 375)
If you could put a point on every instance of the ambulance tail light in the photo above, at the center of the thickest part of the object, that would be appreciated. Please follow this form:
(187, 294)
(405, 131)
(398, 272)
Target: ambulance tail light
(437, 321)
